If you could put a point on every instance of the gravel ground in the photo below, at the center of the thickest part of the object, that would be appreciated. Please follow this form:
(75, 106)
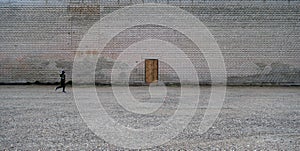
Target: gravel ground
(252, 118)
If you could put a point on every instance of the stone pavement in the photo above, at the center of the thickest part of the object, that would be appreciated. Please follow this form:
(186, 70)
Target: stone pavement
(252, 118)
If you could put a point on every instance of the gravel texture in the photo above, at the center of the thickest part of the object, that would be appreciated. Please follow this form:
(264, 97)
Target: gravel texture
(252, 118)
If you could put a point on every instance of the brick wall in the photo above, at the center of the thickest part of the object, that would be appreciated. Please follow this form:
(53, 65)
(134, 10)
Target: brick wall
(259, 40)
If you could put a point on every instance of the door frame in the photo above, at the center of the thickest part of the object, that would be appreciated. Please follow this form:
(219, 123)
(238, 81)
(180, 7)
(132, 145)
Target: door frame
(146, 70)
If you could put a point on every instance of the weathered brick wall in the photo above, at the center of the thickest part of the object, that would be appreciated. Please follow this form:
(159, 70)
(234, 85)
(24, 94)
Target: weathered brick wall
(260, 41)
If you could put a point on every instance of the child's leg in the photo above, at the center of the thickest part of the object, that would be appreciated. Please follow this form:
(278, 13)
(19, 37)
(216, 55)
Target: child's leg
(58, 87)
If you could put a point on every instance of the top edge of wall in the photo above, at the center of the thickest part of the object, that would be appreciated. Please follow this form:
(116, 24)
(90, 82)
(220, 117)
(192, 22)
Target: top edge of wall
(116, 3)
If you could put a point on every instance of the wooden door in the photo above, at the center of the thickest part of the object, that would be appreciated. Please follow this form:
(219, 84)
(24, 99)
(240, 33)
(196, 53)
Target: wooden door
(151, 70)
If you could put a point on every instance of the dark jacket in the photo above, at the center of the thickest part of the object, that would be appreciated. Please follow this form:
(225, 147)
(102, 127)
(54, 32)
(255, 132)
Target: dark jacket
(62, 79)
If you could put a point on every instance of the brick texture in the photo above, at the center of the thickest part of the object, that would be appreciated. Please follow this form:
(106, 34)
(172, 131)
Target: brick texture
(260, 41)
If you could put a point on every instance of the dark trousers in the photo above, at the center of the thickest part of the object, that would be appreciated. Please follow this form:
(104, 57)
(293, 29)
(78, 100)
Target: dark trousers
(62, 85)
